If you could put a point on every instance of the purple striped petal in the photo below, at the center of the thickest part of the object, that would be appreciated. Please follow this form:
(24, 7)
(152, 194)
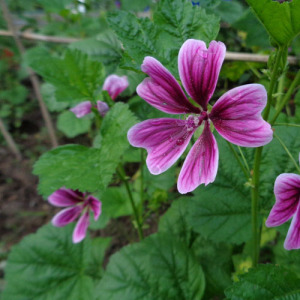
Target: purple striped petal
(292, 240)
(237, 116)
(162, 90)
(199, 68)
(165, 140)
(66, 216)
(115, 85)
(102, 107)
(65, 197)
(95, 206)
(81, 227)
(287, 193)
(82, 109)
(201, 164)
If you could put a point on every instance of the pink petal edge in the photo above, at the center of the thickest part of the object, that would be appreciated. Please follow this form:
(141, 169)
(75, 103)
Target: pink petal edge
(115, 85)
(66, 216)
(82, 109)
(201, 164)
(65, 197)
(165, 140)
(162, 90)
(95, 205)
(199, 68)
(237, 116)
(81, 227)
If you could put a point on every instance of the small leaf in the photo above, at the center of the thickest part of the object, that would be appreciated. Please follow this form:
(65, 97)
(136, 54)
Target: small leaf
(266, 282)
(72, 126)
(47, 265)
(160, 267)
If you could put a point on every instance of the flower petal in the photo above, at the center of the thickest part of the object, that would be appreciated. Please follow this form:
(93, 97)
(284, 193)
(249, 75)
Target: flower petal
(237, 116)
(66, 216)
(81, 227)
(199, 68)
(287, 193)
(95, 206)
(102, 107)
(82, 109)
(65, 197)
(115, 85)
(292, 240)
(162, 90)
(201, 164)
(165, 140)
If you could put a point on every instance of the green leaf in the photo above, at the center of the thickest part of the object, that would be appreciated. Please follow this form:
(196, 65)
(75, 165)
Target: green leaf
(105, 47)
(72, 126)
(47, 265)
(48, 94)
(281, 20)
(174, 221)
(132, 273)
(83, 168)
(221, 211)
(173, 23)
(75, 77)
(266, 282)
(115, 202)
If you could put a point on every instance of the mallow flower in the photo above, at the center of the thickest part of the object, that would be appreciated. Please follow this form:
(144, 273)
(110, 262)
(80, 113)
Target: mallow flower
(79, 206)
(287, 206)
(236, 115)
(114, 85)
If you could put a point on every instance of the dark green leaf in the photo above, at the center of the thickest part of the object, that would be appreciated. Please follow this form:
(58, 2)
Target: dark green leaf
(87, 169)
(75, 77)
(47, 265)
(266, 282)
(158, 268)
(221, 211)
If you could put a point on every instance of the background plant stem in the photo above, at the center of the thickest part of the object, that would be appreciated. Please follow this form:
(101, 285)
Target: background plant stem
(256, 232)
(122, 175)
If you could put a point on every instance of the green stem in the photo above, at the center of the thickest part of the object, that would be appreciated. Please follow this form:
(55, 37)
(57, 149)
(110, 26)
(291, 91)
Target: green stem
(122, 175)
(142, 182)
(244, 159)
(286, 124)
(272, 83)
(238, 160)
(256, 232)
(287, 97)
(287, 151)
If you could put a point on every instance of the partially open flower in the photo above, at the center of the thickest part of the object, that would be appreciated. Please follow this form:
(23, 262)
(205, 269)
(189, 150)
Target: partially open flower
(78, 204)
(287, 206)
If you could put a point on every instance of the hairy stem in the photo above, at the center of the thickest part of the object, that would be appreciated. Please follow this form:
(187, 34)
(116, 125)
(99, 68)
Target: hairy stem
(247, 175)
(256, 232)
(287, 97)
(122, 175)
(287, 151)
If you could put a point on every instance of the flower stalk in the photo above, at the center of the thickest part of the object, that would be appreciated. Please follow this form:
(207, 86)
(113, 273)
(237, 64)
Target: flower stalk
(122, 175)
(256, 232)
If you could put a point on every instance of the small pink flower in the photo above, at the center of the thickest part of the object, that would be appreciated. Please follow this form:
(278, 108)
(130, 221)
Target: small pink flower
(236, 115)
(78, 204)
(287, 206)
(114, 85)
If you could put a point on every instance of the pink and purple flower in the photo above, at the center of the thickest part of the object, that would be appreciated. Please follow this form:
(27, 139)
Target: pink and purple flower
(287, 206)
(78, 204)
(114, 85)
(236, 115)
